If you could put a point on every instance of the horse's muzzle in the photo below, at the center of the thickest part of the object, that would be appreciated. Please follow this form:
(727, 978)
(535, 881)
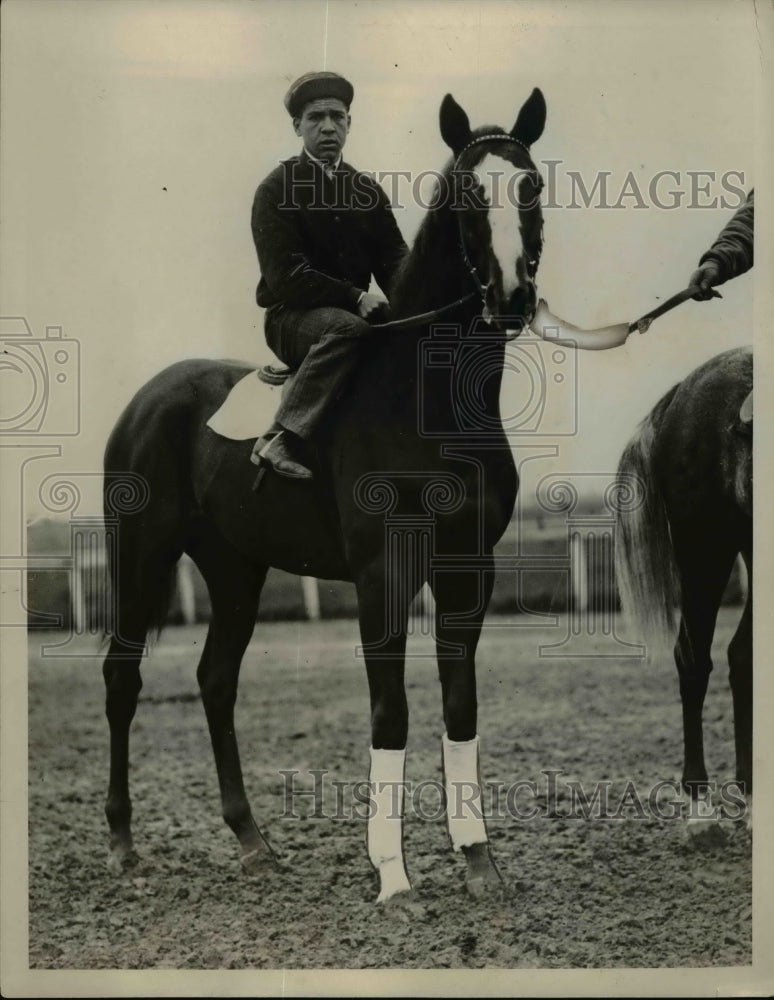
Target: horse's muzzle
(518, 311)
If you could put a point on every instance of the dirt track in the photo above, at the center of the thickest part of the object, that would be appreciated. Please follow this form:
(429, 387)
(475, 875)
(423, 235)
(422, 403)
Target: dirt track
(584, 892)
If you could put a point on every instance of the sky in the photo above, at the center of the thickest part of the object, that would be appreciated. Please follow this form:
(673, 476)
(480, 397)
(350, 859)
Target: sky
(134, 134)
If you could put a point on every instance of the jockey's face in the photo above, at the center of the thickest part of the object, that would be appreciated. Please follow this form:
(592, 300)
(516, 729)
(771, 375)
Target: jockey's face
(323, 126)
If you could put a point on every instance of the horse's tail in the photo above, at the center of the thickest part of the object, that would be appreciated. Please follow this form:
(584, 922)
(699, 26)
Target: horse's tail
(147, 505)
(646, 571)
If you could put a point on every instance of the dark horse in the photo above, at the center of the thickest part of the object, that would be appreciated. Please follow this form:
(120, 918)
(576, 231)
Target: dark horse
(693, 457)
(415, 483)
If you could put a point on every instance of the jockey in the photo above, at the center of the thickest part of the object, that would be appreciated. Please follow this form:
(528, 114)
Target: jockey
(321, 231)
(729, 256)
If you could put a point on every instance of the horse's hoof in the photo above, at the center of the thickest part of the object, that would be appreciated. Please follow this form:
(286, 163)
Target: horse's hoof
(259, 861)
(488, 885)
(122, 859)
(404, 905)
(482, 887)
(705, 834)
(393, 880)
(483, 879)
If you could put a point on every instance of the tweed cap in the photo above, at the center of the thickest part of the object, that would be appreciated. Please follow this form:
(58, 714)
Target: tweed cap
(312, 86)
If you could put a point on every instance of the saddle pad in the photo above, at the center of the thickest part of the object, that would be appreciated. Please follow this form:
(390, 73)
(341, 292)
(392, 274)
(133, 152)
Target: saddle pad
(248, 410)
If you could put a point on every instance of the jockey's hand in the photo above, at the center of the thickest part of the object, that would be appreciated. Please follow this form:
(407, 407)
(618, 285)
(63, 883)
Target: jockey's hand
(372, 307)
(704, 278)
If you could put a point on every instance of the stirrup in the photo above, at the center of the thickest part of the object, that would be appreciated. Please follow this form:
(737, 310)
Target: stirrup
(262, 463)
(265, 460)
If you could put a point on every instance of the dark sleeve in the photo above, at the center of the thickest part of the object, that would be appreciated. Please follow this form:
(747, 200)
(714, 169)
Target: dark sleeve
(733, 249)
(283, 260)
(389, 248)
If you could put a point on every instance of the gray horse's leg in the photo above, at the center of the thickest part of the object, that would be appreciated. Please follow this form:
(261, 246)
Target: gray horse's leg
(740, 653)
(704, 565)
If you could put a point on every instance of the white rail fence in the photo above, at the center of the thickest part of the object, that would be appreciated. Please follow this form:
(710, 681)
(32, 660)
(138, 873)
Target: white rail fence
(586, 559)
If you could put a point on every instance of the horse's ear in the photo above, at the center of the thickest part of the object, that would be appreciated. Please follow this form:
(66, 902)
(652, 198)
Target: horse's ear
(532, 119)
(455, 125)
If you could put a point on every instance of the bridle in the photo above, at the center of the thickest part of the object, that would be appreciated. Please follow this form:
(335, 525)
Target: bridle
(480, 288)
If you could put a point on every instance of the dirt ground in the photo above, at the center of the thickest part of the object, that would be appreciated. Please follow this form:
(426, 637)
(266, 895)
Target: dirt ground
(583, 892)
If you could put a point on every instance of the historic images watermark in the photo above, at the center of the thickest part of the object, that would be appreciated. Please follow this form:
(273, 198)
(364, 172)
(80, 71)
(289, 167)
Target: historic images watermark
(455, 366)
(458, 371)
(559, 188)
(316, 794)
(41, 381)
(41, 408)
(581, 560)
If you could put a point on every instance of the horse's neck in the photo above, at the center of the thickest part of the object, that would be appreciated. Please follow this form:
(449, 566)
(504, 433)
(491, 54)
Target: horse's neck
(434, 277)
(426, 376)
(434, 274)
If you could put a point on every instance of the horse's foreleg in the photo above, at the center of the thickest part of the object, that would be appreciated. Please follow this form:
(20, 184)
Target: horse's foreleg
(234, 590)
(384, 599)
(461, 602)
(740, 676)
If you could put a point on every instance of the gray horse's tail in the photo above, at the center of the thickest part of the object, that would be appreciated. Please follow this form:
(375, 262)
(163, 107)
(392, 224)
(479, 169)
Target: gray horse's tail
(646, 572)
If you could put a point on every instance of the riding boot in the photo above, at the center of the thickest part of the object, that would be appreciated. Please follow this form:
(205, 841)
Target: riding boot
(279, 449)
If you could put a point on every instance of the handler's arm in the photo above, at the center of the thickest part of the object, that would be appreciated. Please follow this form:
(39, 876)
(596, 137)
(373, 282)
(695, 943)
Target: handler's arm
(732, 252)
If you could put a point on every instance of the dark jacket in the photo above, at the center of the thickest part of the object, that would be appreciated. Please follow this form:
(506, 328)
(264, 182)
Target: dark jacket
(320, 239)
(732, 251)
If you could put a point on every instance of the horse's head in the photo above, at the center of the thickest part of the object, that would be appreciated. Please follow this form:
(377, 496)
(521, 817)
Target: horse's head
(494, 189)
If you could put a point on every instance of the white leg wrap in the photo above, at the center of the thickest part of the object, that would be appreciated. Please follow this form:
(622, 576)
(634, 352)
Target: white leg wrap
(464, 806)
(385, 824)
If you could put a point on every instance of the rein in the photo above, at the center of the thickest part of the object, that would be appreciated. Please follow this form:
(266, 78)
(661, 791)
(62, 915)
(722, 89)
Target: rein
(416, 320)
(481, 289)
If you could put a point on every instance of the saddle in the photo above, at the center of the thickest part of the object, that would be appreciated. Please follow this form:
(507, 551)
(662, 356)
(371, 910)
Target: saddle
(275, 374)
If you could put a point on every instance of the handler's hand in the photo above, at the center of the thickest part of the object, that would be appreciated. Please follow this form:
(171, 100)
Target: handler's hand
(705, 277)
(372, 306)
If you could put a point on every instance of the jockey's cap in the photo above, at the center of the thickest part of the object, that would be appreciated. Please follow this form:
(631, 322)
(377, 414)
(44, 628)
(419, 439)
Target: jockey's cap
(312, 86)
